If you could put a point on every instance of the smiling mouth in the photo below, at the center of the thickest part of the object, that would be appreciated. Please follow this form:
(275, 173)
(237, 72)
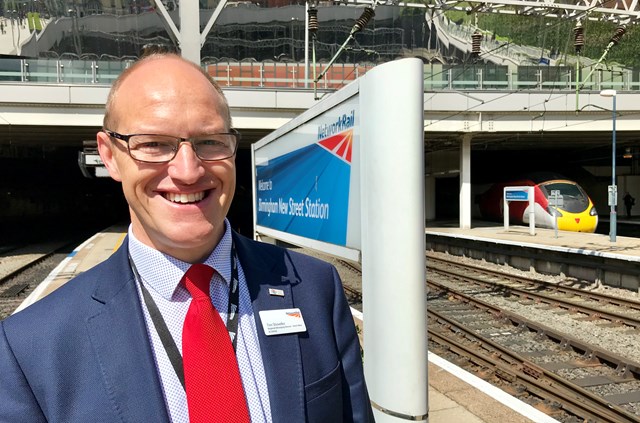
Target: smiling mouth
(193, 197)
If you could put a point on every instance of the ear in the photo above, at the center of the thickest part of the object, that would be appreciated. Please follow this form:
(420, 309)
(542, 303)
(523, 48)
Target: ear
(105, 148)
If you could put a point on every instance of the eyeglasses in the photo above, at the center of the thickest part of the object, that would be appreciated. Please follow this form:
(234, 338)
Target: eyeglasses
(155, 148)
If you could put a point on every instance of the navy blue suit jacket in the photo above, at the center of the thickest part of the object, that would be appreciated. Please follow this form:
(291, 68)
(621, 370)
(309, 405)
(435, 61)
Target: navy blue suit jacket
(82, 353)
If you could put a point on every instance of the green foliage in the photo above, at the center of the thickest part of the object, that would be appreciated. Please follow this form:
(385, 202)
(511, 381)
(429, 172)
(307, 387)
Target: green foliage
(626, 52)
(458, 17)
(558, 35)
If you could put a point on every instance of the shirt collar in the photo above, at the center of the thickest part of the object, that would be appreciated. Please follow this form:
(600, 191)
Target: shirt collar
(163, 272)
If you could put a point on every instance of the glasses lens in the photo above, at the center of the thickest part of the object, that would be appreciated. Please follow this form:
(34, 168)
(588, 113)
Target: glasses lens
(215, 146)
(152, 148)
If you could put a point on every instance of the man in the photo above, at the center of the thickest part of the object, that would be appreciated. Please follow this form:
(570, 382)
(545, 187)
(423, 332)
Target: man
(95, 350)
(629, 202)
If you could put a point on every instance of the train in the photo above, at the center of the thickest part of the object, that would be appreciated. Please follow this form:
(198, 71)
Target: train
(577, 213)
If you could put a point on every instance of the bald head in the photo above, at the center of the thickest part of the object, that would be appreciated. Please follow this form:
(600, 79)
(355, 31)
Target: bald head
(154, 71)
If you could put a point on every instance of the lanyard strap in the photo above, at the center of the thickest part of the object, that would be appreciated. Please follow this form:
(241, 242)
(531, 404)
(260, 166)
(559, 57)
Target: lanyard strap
(161, 326)
(234, 298)
(163, 332)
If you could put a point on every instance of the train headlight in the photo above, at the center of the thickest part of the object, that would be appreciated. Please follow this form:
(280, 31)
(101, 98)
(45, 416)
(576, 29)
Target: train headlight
(593, 212)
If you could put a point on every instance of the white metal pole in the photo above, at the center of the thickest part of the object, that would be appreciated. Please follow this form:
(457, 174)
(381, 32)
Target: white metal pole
(393, 241)
(465, 182)
(532, 212)
(254, 196)
(306, 44)
(614, 197)
(505, 210)
(190, 30)
(613, 194)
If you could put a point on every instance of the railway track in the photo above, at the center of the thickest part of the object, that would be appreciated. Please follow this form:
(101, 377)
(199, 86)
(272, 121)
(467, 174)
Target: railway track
(556, 395)
(354, 295)
(565, 376)
(535, 359)
(22, 269)
(616, 311)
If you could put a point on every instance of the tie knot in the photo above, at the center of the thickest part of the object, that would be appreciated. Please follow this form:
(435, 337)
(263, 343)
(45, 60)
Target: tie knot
(197, 280)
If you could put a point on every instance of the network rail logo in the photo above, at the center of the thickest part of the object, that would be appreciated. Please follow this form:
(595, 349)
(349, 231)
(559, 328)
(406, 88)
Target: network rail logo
(337, 136)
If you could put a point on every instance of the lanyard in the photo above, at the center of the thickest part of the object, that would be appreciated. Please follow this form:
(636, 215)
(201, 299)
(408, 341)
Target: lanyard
(161, 326)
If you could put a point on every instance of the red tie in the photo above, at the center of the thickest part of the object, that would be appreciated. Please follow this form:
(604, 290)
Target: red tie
(212, 379)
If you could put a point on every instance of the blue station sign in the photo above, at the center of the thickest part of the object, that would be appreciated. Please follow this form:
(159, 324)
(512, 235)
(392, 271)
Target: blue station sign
(516, 195)
(305, 191)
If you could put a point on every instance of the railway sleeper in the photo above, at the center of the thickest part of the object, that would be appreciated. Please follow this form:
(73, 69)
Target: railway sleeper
(550, 407)
(486, 373)
(14, 290)
(507, 376)
(511, 389)
(593, 317)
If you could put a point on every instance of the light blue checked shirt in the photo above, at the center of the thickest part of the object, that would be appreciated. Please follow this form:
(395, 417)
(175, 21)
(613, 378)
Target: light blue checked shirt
(161, 275)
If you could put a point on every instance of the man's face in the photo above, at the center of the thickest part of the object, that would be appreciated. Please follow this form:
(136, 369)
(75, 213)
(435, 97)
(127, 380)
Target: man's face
(178, 207)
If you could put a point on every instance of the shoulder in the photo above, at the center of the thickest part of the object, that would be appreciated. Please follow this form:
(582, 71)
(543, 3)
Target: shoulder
(273, 254)
(270, 264)
(64, 306)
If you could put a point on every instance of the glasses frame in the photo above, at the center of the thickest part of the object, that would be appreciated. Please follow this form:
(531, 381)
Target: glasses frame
(127, 137)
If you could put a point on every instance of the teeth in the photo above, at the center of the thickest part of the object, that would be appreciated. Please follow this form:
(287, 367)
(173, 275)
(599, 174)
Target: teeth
(184, 198)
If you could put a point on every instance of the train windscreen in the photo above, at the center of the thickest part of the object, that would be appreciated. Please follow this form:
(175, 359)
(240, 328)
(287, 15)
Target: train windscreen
(574, 198)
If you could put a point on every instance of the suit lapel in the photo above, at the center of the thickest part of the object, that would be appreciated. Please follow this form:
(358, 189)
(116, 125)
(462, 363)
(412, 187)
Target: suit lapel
(123, 352)
(119, 337)
(280, 353)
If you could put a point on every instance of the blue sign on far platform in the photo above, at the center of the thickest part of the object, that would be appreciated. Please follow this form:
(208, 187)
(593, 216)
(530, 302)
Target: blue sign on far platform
(516, 195)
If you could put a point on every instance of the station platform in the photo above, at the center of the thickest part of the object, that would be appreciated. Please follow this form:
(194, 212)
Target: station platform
(594, 259)
(454, 395)
(624, 248)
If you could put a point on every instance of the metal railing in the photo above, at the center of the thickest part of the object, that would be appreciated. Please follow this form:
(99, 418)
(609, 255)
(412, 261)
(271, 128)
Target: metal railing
(270, 75)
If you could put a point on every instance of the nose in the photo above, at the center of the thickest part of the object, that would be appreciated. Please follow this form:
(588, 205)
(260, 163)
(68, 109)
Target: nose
(186, 166)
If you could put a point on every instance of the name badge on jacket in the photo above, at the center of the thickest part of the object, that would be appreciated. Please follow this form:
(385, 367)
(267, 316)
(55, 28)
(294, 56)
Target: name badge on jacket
(281, 322)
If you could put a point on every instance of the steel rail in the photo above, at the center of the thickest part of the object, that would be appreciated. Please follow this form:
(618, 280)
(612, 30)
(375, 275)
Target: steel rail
(547, 385)
(544, 298)
(604, 298)
(4, 279)
(624, 367)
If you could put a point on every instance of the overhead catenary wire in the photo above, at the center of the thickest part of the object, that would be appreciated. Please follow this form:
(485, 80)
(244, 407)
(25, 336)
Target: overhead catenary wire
(359, 25)
(615, 39)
